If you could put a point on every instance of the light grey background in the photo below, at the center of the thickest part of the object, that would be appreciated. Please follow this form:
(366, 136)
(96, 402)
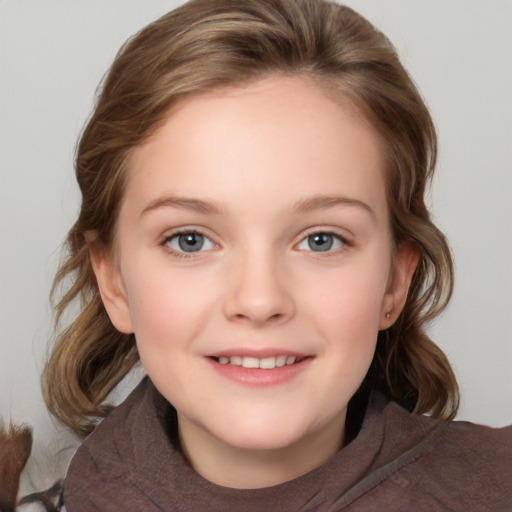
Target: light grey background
(53, 54)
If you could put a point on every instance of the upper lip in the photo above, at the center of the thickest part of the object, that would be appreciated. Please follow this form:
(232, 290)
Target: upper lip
(258, 353)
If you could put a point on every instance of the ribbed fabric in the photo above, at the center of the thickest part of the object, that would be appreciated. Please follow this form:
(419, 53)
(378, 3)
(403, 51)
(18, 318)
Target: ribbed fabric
(398, 462)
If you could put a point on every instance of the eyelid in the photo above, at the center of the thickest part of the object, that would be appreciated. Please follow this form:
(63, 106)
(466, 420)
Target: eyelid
(174, 233)
(345, 241)
(186, 229)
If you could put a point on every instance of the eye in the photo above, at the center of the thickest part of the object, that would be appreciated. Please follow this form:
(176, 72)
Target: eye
(188, 242)
(322, 242)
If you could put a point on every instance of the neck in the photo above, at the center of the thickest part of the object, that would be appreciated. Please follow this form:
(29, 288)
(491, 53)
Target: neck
(244, 468)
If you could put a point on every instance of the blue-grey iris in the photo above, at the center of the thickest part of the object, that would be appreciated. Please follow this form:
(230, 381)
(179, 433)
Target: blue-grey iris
(191, 242)
(320, 242)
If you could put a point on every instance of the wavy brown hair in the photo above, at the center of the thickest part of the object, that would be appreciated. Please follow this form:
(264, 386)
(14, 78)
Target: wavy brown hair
(207, 44)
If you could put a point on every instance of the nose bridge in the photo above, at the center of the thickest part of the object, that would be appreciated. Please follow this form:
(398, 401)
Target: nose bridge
(259, 290)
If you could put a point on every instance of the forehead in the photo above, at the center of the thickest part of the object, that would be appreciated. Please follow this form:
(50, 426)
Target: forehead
(279, 139)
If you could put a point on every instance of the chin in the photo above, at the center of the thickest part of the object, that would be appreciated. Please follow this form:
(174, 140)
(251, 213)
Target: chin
(264, 435)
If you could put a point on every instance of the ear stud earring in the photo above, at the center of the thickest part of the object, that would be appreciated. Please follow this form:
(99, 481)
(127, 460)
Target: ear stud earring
(388, 315)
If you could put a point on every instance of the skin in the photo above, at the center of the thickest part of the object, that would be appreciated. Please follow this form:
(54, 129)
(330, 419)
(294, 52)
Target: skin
(257, 170)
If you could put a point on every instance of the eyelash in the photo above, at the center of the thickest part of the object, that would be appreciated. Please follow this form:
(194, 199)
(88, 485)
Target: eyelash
(344, 242)
(183, 254)
(193, 254)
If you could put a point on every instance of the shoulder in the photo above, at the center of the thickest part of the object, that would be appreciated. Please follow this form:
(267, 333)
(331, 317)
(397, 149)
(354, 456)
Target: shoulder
(475, 458)
(458, 463)
(477, 444)
(468, 440)
(104, 462)
(110, 443)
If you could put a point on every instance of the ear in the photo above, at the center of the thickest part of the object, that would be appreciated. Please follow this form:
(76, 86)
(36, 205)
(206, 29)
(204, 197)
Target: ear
(110, 285)
(398, 286)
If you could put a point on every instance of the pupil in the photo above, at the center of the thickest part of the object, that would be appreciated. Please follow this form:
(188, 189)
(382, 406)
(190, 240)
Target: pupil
(320, 242)
(191, 242)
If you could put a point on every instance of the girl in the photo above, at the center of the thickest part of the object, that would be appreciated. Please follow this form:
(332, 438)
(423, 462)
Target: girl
(253, 229)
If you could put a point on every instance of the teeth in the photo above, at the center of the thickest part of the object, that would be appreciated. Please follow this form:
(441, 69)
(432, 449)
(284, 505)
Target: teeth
(267, 363)
(250, 362)
(280, 361)
(235, 360)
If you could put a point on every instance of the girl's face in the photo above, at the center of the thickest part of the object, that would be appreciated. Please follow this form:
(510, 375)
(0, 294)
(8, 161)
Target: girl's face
(254, 267)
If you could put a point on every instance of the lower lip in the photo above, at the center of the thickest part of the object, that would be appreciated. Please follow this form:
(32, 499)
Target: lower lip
(256, 377)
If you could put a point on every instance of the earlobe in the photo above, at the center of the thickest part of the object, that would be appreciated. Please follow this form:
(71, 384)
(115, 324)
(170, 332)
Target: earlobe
(110, 286)
(398, 288)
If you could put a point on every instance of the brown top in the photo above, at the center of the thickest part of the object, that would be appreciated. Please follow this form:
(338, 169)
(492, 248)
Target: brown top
(398, 461)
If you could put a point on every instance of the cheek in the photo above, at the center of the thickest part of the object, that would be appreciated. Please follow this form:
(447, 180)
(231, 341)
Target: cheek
(346, 308)
(167, 307)
(351, 296)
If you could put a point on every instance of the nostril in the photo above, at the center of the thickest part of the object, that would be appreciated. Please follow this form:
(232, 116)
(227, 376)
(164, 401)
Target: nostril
(276, 317)
(258, 304)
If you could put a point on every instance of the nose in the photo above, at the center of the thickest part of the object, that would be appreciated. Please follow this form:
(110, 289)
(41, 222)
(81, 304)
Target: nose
(258, 292)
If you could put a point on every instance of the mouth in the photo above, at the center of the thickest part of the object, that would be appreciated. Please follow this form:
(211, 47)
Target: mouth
(267, 370)
(266, 363)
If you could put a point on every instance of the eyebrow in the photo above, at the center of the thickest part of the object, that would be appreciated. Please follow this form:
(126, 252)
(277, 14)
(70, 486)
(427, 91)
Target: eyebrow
(322, 202)
(184, 203)
(310, 204)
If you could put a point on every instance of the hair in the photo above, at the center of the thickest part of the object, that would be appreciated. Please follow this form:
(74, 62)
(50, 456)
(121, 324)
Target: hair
(203, 45)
